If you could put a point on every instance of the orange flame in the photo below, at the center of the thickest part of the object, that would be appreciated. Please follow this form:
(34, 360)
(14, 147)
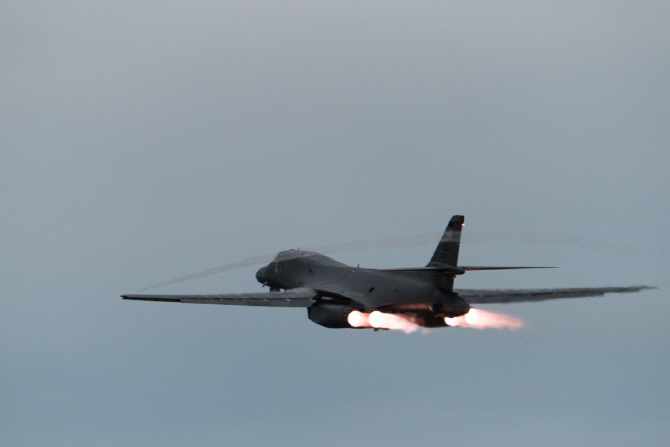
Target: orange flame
(358, 319)
(475, 318)
(381, 320)
(483, 319)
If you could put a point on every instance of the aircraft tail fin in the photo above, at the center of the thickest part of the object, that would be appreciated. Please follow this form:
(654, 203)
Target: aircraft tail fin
(446, 253)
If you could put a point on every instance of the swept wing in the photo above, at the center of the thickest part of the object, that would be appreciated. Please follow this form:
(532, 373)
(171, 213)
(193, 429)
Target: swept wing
(291, 298)
(474, 296)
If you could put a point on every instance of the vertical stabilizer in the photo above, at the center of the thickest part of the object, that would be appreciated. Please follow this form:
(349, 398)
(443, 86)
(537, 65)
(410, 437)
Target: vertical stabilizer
(446, 252)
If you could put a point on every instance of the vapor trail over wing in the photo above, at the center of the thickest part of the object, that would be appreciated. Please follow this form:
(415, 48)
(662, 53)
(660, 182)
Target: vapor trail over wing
(344, 247)
(337, 295)
(421, 239)
(290, 298)
(213, 271)
(474, 296)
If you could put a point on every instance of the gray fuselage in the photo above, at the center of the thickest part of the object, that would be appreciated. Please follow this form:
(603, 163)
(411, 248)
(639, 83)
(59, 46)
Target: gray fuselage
(365, 289)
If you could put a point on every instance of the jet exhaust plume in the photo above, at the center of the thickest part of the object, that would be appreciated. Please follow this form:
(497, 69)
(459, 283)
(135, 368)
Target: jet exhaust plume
(358, 319)
(484, 319)
(475, 318)
(382, 320)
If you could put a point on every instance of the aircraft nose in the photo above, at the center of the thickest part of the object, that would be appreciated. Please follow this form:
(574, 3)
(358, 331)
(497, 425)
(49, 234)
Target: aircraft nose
(261, 275)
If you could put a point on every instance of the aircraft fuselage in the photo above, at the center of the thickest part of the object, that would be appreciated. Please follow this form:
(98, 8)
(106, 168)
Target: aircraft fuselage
(392, 291)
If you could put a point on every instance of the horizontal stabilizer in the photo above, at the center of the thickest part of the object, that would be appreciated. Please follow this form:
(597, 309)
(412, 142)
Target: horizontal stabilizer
(469, 268)
(446, 270)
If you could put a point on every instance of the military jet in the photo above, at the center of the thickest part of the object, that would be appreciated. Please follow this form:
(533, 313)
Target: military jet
(337, 295)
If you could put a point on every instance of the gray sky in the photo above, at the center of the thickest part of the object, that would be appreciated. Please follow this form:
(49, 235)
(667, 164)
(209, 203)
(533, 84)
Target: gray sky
(146, 140)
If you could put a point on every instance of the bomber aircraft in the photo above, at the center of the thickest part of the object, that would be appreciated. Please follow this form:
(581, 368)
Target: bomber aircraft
(337, 295)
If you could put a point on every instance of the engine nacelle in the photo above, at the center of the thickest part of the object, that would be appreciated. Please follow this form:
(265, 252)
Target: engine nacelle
(453, 306)
(332, 316)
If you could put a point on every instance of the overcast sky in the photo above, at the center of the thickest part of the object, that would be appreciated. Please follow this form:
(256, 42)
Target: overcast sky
(141, 141)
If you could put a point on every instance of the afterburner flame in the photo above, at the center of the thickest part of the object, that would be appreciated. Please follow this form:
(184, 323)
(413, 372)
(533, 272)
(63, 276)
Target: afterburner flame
(475, 318)
(380, 320)
(358, 319)
(483, 319)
